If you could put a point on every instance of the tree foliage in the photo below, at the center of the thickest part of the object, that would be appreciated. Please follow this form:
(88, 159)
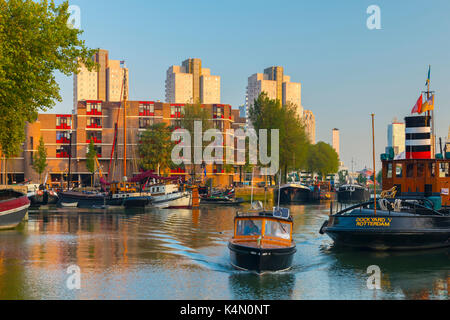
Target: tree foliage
(192, 113)
(35, 42)
(40, 158)
(269, 114)
(322, 159)
(155, 147)
(90, 158)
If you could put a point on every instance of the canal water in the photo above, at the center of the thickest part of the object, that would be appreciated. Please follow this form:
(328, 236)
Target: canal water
(183, 254)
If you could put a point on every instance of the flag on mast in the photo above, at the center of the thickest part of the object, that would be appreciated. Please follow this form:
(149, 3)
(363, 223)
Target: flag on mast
(428, 105)
(429, 76)
(418, 106)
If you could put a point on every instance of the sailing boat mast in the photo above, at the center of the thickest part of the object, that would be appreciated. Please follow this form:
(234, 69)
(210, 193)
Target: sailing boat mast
(125, 97)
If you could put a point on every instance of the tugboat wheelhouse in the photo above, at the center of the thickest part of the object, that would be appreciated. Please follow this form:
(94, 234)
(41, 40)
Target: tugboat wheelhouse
(426, 177)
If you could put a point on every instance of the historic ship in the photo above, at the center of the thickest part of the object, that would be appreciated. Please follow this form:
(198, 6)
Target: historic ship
(414, 209)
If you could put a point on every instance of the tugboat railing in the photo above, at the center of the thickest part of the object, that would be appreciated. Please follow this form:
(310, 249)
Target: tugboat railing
(415, 206)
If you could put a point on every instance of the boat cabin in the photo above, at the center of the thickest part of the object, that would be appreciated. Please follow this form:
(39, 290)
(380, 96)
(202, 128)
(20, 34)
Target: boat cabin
(264, 229)
(418, 177)
(123, 187)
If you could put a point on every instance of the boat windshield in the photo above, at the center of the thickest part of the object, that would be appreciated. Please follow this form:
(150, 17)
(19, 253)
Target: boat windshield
(278, 229)
(249, 227)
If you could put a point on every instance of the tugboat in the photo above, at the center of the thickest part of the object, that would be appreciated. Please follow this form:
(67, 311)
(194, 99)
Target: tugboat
(295, 193)
(13, 208)
(414, 209)
(262, 241)
(352, 193)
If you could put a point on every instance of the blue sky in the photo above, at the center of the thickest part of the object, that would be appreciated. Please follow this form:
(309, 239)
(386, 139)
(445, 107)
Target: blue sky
(347, 71)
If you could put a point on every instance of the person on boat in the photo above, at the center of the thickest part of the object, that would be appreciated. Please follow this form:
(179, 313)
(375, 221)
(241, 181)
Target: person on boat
(251, 229)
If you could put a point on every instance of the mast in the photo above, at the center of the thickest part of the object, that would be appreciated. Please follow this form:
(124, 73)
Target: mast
(374, 170)
(431, 114)
(125, 97)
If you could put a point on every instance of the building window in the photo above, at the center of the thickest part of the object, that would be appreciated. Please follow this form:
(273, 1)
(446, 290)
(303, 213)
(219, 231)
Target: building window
(145, 123)
(94, 123)
(146, 109)
(93, 108)
(62, 137)
(63, 122)
(95, 136)
(218, 124)
(63, 151)
(176, 111)
(218, 112)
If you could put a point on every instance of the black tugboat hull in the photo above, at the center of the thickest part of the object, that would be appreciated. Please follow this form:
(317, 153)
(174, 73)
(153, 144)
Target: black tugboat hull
(387, 232)
(294, 195)
(357, 196)
(261, 260)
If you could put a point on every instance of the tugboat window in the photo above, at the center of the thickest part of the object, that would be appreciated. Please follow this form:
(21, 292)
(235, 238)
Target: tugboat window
(409, 170)
(420, 170)
(444, 170)
(249, 228)
(278, 229)
(399, 170)
(432, 167)
(389, 172)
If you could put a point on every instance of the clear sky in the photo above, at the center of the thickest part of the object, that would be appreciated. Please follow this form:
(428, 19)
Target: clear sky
(347, 71)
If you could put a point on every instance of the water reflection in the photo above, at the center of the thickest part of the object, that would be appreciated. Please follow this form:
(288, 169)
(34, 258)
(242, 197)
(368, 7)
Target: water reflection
(250, 286)
(410, 275)
(183, 254)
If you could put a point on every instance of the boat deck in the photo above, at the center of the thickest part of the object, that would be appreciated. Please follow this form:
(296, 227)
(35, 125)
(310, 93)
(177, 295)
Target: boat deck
(264, 245)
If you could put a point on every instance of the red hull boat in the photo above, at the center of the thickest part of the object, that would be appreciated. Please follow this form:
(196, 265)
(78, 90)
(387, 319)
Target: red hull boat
(13, 208)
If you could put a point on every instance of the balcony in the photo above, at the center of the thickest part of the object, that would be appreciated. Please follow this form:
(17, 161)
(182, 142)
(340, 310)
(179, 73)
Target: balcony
(94, 112)
(63, 141)
(146, 113)
(95, 140)
(62, 155)
(63, 126)
(94, 126)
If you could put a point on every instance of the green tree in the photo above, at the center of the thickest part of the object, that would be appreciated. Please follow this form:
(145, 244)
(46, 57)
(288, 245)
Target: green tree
(40, 159)
(191, 114)
(380, 177)
(155, 147)
(90, 160)
(36, 42)
(269, 114)
(362, 179)
(343, 174)
(322, 159)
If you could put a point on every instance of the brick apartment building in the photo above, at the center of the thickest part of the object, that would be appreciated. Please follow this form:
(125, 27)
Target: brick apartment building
(96, 120)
